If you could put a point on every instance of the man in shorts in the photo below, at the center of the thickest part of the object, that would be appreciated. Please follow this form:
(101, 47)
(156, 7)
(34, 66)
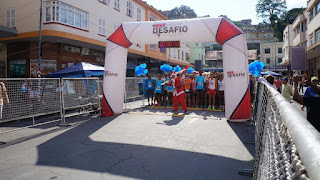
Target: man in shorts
(200, 88)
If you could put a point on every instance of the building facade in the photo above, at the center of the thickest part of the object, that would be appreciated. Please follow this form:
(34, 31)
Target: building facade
(197, 52)
(288, 36)
(313, 37)
(73, 32)
(272, 54)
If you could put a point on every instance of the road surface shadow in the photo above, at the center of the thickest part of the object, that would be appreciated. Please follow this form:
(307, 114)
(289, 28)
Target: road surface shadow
(74, 149)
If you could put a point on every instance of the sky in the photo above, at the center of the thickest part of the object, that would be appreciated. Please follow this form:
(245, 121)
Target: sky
(234, 9)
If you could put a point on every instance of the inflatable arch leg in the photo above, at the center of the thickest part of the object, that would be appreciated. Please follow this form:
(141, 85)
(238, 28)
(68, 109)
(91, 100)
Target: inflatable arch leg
(232, 39)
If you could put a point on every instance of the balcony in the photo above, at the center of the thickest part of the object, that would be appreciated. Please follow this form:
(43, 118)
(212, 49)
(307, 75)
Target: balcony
(299, 39)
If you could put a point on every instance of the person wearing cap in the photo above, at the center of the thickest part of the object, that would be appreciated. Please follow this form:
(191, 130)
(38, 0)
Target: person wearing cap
(312, 102)
(286, 89)
(269, 79)
(311, 90)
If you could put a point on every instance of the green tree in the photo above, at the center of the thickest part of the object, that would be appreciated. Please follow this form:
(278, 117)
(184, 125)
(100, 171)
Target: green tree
(182, 12)
(285, 19)
(271, 9)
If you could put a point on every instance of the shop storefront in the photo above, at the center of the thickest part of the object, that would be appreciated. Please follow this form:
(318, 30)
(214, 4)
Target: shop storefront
(54, 57)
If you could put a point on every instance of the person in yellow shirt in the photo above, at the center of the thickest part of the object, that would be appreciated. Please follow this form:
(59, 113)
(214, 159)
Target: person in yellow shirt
(286, 90)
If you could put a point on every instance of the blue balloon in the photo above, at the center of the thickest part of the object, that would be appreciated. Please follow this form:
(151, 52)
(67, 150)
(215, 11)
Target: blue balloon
(140, 70)
(256, 67)
(177, 68)
(190, 70)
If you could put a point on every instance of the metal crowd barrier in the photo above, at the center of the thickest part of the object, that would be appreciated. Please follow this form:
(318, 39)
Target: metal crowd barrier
(80, 96)
(30, 98)
(52, 99)
(133, 98)
(287, 145)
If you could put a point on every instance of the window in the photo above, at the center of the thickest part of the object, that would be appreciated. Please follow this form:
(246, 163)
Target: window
(105, 1)
(102, 26)
(138, 14)
(153, 17)
(11, 18)
(318, 35)
(187, 57)
(117, 4)
(311, 41)
(268, 60)
(279, 60)
(66, 14)
(267, 50)
(130, 9)
(182, 55)
(279, 50)
(311, 15)
(174, 53)
(178, 54)
(317, 7)
(153, 47)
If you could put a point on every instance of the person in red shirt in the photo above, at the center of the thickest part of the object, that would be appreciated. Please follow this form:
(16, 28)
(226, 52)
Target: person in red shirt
(178, 94)
(278, 83)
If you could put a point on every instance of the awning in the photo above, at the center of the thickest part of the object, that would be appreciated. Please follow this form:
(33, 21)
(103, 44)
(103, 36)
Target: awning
(285, 63)
(7, 32)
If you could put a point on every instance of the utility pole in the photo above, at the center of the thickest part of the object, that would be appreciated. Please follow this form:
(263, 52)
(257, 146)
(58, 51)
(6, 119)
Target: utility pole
(275, 57)
(40, 43)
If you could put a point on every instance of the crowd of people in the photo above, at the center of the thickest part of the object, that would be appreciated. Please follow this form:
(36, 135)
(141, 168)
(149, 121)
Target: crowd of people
(293, 89)
(201, 89)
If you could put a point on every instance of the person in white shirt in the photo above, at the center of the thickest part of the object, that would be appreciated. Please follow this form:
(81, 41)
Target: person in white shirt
(220, 91)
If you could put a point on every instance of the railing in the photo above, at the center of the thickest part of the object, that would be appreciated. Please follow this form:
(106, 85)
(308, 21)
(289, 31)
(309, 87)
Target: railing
(54, 99)
(287, 145)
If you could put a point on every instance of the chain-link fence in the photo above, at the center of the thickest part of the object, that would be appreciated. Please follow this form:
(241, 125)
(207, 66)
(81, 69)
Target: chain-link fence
(282, 137)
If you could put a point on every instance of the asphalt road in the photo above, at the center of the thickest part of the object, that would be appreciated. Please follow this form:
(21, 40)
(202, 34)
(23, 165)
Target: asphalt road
(141, 144)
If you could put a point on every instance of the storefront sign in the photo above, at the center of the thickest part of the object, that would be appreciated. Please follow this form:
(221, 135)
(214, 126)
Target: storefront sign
(46, 66)
(17, 68)
(72, 49)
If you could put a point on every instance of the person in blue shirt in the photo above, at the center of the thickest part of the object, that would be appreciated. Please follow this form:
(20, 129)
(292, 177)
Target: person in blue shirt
(200, 88)
(149, 87)
(311, 90)
(169, 91)
(158, 90)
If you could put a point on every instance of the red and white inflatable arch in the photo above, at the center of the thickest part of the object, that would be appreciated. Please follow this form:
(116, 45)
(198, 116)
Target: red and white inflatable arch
(235, 62)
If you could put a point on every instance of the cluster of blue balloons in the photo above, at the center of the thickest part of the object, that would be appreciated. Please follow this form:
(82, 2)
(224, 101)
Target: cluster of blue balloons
(166, 68)
(190, 70)
(141, 70)
(177, 68)
(256, 67)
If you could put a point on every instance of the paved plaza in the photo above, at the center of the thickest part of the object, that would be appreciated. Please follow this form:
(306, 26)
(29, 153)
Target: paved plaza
(146, 143)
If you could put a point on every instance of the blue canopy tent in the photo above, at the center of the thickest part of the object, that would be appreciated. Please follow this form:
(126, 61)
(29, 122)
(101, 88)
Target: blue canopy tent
(78, 70)
(271, 73)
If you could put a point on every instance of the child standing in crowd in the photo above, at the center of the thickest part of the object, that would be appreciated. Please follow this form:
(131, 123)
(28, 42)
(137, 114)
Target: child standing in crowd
(149, 87)
(220, 91)
(211, 90)
(200, 88)
(187, 86)
(158, 90)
